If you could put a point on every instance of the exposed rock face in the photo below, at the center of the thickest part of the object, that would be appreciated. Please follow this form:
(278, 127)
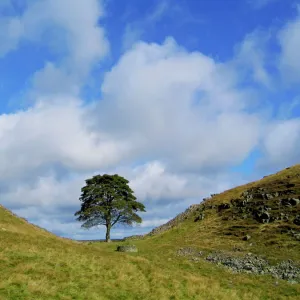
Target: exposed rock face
(127, 248)
(266, 206)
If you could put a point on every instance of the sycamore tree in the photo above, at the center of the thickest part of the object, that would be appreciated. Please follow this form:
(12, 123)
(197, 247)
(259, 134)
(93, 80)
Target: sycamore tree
(108, 200)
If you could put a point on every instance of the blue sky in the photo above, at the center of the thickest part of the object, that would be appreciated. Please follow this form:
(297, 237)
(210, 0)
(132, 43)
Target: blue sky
(184, 98)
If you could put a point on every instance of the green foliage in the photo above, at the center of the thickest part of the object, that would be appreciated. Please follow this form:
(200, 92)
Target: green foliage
(108, 200)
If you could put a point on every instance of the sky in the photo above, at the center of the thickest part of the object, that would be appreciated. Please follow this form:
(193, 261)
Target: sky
(184, 98)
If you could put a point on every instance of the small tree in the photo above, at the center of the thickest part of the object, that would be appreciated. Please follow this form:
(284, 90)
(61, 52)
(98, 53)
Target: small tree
(108, 200)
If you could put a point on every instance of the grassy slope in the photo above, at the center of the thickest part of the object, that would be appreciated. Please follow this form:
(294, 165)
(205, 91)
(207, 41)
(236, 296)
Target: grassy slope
(35, 264)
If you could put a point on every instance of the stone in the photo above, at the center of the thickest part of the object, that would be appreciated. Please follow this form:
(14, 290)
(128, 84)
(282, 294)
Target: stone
(297, 220)
(247, 237)
(127, 248)
(290, 202)
(223, 206)
(200, 217)
(263, 216)
(294, 201)
(269, 196)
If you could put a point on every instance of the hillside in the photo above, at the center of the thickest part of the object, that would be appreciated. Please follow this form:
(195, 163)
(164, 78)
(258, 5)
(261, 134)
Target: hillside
(273, 200)
(252, 227)
(260, 219)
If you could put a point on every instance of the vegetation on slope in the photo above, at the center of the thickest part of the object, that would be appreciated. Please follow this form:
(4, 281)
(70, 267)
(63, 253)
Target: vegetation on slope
(36, 265)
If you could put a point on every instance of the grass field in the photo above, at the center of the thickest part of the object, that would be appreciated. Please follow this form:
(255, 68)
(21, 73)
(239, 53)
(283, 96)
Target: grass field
(35, 264)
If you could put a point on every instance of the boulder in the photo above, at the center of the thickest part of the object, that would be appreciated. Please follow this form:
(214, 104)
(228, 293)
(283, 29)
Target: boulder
(127, 248)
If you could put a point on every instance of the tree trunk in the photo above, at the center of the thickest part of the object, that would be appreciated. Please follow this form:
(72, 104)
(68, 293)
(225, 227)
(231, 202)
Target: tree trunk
(107, 237)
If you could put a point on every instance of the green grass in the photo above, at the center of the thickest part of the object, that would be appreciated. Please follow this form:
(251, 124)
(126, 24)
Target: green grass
(35, 264)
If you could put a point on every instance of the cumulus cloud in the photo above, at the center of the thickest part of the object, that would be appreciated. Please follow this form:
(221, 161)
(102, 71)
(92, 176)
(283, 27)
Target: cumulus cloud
(55, 133)
(281, 143)
(182, 107)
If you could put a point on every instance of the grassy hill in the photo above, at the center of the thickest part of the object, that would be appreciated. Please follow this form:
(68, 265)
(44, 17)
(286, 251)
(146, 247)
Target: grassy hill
(258, 218)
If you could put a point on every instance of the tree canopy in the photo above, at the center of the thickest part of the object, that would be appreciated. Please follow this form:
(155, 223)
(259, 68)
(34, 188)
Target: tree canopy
(108, 200)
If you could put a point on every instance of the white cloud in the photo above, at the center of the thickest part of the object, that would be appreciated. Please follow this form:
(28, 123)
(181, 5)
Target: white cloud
(281, 143)
(289, 38)
(154, 183)
(55, 133)
(70, 29)
(195, 117)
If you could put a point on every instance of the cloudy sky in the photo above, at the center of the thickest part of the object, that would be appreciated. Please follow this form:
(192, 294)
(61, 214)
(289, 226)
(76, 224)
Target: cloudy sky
(184, 98)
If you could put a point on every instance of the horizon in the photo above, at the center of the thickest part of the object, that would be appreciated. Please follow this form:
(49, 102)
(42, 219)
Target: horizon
(182, 98)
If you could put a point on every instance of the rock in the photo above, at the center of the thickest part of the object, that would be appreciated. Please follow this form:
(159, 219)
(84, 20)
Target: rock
(223, 206)
(263, 216)
(127, 248)
(290, 202)
(247, 237)
(294, 201)
(200, 217)
(269, 196)
(297, 220)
